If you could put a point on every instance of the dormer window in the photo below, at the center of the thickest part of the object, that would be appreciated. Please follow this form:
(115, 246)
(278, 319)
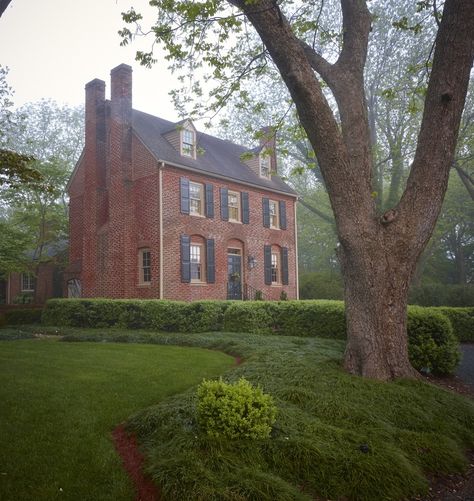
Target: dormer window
(188, 143)
(265, 170)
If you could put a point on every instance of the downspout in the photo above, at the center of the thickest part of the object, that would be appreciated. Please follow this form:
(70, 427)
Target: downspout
(296, 254)
(160, 195)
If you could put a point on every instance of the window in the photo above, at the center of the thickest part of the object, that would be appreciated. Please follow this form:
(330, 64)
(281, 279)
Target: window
(27, 282)
(145, 266)
(274, 215)
(275, 267)
(196, 199)
(234, 206)
(265, 165)
(188, 143)
(197, 274)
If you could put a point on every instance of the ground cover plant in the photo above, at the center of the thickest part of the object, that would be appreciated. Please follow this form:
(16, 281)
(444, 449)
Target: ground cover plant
(60, 403)
(336, 436)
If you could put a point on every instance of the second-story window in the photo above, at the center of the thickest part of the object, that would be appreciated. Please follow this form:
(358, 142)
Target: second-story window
(196, 199)
(274, 216)
(234, 206)
(188, 143)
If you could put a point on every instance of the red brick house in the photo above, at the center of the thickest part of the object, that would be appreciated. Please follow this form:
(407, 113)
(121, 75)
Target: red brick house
(160, 210)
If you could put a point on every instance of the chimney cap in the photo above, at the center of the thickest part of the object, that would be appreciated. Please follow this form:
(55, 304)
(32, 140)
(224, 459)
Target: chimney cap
(95, 83)
(121, 67)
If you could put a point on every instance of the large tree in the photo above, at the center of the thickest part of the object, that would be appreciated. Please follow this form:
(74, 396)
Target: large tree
(378, 253)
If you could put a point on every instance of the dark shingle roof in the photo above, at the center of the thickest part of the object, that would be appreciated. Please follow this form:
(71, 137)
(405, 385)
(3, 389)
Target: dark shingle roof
(219, 158)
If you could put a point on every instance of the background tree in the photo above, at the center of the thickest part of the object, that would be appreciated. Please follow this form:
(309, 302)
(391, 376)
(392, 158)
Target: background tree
(378, 252)
(53, 135)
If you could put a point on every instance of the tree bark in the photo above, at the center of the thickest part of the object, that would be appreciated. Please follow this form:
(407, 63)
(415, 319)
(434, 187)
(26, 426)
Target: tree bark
(378, 255)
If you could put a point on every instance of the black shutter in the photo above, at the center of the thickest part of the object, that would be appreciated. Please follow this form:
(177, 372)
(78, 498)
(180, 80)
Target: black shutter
(209, 200)
(266, 212)
(184, 185)
(282, 207)
(284, 265)
(267, 264)
(244, 196)
(185, 258)
(210, 261)
(225, 204)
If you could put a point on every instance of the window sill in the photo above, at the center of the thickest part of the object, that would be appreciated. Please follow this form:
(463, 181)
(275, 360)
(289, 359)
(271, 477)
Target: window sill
(197, 215)
(144, 284)
(235, 221)
(275, 284)
(198, 283)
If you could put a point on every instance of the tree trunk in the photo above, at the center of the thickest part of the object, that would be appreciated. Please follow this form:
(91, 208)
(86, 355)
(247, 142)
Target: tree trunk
(377, 276)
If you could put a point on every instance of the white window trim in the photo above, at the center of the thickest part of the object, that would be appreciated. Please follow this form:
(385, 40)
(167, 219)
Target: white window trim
(277, 214)
(239, 208)
(278, 267)
(182, 142)
(201, 280)
(30, 280)
(201, 198)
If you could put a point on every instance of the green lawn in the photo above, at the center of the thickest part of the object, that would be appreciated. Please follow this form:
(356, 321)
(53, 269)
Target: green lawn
(60, 401)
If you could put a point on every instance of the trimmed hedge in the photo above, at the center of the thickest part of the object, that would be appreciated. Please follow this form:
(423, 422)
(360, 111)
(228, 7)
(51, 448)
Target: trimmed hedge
(462, 320)
(432, 344)
(22, 316)
(453, 295)
(167, 316)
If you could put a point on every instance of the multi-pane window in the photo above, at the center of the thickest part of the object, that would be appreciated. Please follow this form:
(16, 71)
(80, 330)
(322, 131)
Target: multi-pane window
(234, 206)
(275, 268)
(27, 282)
(145, 266)
(196, 199)
(274, 216)
(196, 263)
(264, 165)
(187, 143)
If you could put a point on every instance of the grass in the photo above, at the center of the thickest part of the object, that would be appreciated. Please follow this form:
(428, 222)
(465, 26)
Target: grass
(407, 429)
(60, 401)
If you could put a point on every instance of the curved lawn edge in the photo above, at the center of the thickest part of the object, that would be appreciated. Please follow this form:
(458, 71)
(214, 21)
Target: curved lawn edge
(133, 461)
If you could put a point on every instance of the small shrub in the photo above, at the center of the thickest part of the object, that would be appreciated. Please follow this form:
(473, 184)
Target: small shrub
(283, 296)
(462, 320)
(3, 322)
(432, 345)
(258, 295)
(24, 316)
(235, 410)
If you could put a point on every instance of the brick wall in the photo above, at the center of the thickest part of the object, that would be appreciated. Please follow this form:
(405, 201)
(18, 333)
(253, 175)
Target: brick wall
(115, 212)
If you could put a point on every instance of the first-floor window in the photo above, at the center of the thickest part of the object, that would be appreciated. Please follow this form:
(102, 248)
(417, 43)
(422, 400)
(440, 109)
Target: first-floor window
(196, 263)
(27, 282)
(275, 267)
(145, 266)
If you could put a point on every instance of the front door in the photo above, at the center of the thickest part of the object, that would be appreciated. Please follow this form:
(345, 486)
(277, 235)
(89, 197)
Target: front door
(234, 274)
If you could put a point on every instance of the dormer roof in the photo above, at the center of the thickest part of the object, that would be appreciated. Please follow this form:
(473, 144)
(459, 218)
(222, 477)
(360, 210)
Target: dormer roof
(215, 157)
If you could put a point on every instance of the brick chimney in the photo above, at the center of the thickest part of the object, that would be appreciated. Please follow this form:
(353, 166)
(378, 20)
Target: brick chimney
(94, 178)
(121, 227)
(121, 120)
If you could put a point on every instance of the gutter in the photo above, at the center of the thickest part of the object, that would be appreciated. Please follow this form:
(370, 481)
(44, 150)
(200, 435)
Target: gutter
(296, 253)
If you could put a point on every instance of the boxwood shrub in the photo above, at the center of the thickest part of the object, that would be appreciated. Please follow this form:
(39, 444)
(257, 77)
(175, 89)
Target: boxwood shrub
(168, 316)
(462, 320)
(432, 344)
(22, 316)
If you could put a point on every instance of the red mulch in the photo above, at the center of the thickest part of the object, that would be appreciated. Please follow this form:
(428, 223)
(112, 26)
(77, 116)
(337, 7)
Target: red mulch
(126, 445)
